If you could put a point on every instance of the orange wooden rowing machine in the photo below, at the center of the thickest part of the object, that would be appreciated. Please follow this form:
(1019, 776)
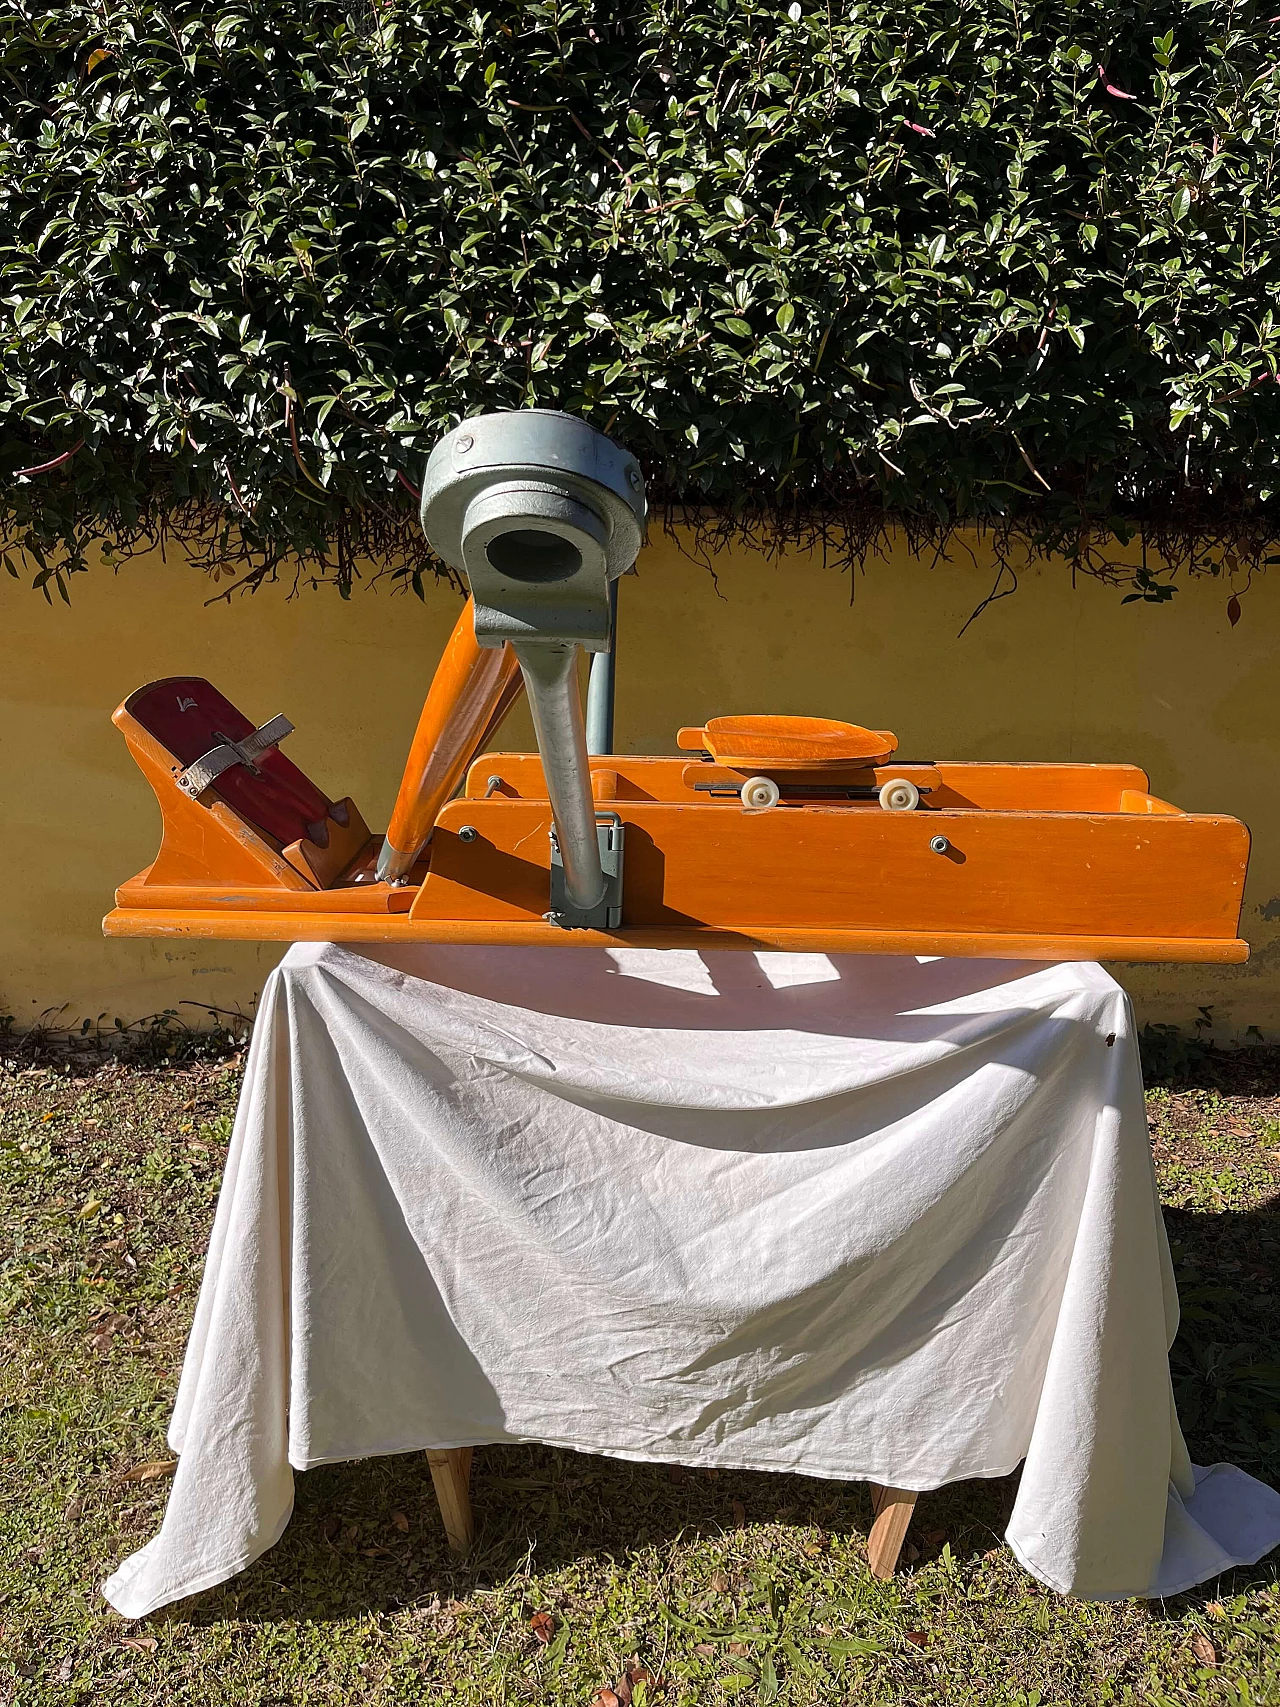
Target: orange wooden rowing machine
(762, 833)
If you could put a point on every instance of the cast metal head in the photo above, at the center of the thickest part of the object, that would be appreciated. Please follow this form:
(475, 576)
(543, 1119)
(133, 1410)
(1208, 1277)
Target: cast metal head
(540, 512)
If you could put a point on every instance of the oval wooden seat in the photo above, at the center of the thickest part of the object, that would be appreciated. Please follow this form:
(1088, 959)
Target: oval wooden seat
(794, 745)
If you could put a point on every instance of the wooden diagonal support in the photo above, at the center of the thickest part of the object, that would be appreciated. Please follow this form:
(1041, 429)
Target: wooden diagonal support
(451, 1478)
(892, 1508)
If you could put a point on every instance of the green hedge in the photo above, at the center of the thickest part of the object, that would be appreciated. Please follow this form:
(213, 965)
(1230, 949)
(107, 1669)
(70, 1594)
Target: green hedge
(822, 266)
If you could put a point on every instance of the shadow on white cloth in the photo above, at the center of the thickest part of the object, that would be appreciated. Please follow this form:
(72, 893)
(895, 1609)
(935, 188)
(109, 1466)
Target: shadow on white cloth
(866, 1218)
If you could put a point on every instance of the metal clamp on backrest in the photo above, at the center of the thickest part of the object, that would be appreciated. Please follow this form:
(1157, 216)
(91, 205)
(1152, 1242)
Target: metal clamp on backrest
(197, 776)
(542, 513)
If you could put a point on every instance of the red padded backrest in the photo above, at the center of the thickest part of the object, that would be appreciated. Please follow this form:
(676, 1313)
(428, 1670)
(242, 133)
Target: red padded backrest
(188, 716)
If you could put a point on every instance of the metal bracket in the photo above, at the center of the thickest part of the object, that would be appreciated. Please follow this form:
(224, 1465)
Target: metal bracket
(202, 771)
(607, 915)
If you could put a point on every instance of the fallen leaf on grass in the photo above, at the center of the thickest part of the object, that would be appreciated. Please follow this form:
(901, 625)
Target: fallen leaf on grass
(635, 1688)
(706, 1649)
(917, 1638)
(739, 1648)
(1204, 1649)
(400, 1521)
(1216, 1609)
(605, 1698)
(739, 1513)
(719, 1582)
(149, 1472)
(543, 1626)
(140, 1644)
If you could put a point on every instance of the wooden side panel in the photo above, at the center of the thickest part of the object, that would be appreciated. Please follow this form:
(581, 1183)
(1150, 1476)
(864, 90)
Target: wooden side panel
(207, 897)
(229, 925)
(987, 787)
(1041, 788)
(863, 869)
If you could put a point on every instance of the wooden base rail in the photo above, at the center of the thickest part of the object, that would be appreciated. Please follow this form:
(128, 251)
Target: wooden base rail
(451, 1478)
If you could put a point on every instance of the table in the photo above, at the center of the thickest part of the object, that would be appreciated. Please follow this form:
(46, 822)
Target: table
(881, 1219)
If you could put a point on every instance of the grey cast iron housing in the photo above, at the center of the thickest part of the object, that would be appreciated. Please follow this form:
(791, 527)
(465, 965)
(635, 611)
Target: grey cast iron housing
(541, 513)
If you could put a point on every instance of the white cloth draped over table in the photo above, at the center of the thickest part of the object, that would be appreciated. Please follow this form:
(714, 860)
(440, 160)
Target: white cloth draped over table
(866, 1218)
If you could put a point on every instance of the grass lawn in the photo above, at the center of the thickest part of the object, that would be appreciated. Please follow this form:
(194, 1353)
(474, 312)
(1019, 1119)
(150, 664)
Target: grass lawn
(589, 1576)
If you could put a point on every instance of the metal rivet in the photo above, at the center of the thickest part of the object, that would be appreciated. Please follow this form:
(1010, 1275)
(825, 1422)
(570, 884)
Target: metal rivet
(468, 833)
(940, 844)
(465, 443)
(633, 478)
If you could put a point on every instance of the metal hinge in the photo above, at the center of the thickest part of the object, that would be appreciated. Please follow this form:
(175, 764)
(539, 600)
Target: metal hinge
(607, 915)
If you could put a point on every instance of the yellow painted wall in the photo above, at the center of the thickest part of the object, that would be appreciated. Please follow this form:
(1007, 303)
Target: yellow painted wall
(1050, 673)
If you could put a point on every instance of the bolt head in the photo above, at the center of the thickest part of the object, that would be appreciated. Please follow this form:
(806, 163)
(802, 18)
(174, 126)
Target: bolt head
(940, 845)
(464, 444)
(634, 479)
(468, 833)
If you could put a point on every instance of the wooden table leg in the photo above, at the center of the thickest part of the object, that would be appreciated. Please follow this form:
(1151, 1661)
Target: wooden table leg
(451, 1478)
(892, 1508)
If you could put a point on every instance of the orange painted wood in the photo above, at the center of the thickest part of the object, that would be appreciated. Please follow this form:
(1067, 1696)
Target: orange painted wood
(323, 866)
(1133, 800)
(350, 898)
(513, 687)
(230, 925)
(472, 686)
(1038, 788)
(1042, 861)
(815, 866)
(199, 840)
(205, 841)
(892, 1509)
(990, 787)
(793, 744)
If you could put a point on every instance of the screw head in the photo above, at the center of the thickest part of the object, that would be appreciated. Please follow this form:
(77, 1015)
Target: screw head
(468, 833)
(464, 444)
(940, 844)
(634, 479)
